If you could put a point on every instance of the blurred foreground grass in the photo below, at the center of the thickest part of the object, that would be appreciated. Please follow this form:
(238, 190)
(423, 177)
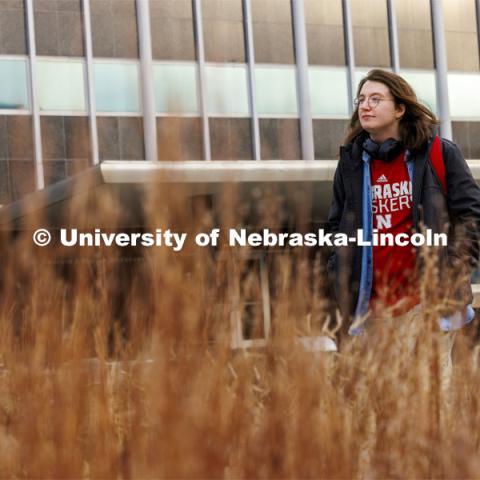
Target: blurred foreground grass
(120, 366)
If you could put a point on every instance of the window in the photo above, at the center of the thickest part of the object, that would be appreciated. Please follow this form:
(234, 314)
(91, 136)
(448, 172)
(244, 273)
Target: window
(324, 23)
(272, 31)
(467, 136)
(226, 90)
(276, 91)
(13, 79)
(463, 94)
(425, 87)
(250, 318)
(231, 138)
(120, 138)
(370, 33)
(116, 87)
(175, 88)
(328, 136)
(172, 30)
(114, 28)
(179, 138)
(328, 91)
(17, 171)
(13, 40)
(280, 139)
(61, 85)
(414, 26)
(461, 33)
(58, 27)
(65, 146)
(223, 30)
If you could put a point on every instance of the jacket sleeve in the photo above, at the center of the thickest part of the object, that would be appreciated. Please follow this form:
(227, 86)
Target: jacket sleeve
(463, 201)
(338, 201)
(334, 219)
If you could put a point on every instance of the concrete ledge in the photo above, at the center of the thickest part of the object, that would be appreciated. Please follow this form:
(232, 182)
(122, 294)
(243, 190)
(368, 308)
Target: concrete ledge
(227, 171)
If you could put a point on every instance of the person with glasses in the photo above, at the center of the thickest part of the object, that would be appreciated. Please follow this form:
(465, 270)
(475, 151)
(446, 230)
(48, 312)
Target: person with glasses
(385, 182)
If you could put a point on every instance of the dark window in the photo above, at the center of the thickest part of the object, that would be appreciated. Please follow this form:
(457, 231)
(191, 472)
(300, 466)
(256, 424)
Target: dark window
(328, 136)
(272, 31)
(251, 311)
(280, 139)
(58, 27)
(467, 136)
(231, 138)
(22, 178)
(13, 38)
(370, 33)
(172, 30)
(179, 138)
(461, 33)
(65, 146)
(120, 138)
(324, 22)
(17, 172)
(414, 33)
(114, 28)
(223, 30)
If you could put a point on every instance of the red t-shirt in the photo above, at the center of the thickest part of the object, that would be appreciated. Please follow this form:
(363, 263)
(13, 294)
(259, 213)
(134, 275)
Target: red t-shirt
(394, 274)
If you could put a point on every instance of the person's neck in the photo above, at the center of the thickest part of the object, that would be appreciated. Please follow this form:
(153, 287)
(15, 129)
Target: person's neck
(381, 137)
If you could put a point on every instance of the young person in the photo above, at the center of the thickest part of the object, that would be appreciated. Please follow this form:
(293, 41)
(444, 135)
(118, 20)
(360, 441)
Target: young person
(387, 182)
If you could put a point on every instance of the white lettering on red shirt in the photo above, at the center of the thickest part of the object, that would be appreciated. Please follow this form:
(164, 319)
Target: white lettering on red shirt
(393, 266)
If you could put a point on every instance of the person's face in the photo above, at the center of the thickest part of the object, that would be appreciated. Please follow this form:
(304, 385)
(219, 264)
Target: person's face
(377, 111)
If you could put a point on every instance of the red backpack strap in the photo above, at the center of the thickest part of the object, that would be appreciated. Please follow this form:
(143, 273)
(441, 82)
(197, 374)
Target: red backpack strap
(436, 159)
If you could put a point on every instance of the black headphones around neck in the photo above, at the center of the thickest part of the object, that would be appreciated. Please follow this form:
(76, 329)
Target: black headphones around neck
(386, 151)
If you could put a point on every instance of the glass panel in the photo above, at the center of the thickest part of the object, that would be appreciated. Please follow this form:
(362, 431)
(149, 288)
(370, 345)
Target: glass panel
(328, 136)
(22, 176)
(276, 91)
(414, 33)
(179, 138)
(13, 79)
(324, 21)
(272, 31)
(370, 33)
(60, 85)
(461, 35)
(175, 88)
(5, 190)
(116, 87)
(231, 138)
(328, 91)
(120, 138)
(280, 139)
(66, 145)
(467, 136)
(16, 140)
(425, 87)
(65, 138)
(223, 30)
(226, 90)
(114, 28)
(172, 29)
(13, 39)
(463, 94)
(58, 27)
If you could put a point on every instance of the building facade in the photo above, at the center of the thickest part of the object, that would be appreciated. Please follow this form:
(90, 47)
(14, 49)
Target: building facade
(85, 81)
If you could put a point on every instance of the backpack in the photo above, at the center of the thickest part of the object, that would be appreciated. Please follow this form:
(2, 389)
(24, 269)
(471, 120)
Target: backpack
(436, 160)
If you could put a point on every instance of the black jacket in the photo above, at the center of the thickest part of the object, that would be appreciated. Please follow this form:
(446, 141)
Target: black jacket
(458, 214)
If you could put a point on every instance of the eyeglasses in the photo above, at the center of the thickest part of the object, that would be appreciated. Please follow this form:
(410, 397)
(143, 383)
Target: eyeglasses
(372, 102)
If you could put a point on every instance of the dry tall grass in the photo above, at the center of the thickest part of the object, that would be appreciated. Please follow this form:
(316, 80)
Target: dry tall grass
(118, 364)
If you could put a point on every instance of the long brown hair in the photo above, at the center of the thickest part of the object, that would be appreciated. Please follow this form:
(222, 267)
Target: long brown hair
(418, 122)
